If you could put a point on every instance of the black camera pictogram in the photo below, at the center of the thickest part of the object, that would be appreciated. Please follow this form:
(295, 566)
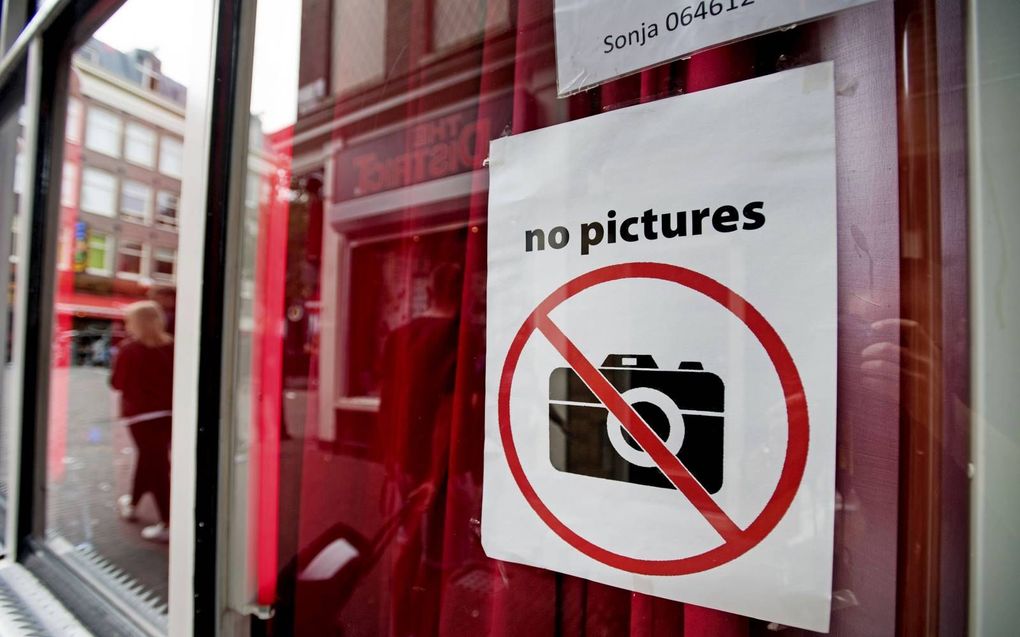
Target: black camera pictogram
(684, 407)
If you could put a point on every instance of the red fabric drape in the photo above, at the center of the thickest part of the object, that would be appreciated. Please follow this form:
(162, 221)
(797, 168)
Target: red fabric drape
(401, 515)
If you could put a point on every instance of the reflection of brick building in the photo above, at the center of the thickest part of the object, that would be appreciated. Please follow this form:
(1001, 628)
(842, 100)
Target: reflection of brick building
(388, 61)
(389, 116)
(121, 185)
(397, 100)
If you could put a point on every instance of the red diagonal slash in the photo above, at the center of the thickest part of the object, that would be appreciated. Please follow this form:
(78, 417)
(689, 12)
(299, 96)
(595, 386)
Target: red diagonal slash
(668, 463)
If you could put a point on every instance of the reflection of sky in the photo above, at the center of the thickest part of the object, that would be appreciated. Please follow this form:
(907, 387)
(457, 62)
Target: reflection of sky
(167, 28)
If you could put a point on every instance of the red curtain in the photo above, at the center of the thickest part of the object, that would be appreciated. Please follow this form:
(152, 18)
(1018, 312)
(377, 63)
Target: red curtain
(387, 533)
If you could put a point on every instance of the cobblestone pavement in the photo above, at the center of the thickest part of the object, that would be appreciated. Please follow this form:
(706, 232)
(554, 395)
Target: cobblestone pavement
(90, 466)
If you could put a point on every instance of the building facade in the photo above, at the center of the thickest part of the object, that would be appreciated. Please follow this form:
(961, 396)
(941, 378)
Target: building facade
(120, 189)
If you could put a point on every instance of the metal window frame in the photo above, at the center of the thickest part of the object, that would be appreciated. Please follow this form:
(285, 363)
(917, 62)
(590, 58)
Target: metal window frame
(224, 192)
(213, 193)
(18, 48)
(14, 15)
(14, 97)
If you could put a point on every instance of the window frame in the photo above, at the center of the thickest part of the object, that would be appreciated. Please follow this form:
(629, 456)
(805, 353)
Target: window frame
(47, 42)
(174, 171)
(197, 607)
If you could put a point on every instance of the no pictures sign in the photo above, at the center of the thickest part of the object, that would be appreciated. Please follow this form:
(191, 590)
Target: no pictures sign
(660, 402)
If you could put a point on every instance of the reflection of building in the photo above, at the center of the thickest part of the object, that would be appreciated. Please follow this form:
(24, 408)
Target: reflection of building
(389, 116)
(397, 101)
(121, 185)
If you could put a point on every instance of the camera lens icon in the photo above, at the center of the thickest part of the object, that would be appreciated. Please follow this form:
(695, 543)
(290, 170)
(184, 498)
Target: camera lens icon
(622, 442)
(684, 407)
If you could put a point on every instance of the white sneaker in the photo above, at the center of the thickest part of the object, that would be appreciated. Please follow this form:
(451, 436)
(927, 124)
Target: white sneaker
(158, 532)
(127, 510)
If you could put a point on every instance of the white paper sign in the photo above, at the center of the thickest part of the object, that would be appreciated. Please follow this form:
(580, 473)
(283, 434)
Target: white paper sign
(599, 40)
(669, 269)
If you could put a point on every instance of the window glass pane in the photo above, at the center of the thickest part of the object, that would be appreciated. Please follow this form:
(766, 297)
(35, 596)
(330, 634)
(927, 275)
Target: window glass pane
(135, 200)
(98, 259)
(129, 259)
(170, 162)
(102, 131)
(98, 192)
(456, 22)
(365, 338)
(360, 51)
(377, 281)
(166, 208)
(163, 264)
(109, 423)
(140, 144)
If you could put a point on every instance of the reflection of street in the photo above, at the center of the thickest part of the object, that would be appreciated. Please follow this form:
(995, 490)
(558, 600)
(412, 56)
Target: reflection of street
(81, 503)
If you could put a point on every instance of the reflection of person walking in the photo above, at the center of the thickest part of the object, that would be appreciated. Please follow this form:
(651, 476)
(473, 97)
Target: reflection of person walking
(143, 373)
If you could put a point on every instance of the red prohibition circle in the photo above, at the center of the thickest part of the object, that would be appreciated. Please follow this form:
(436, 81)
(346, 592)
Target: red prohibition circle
(789, 378)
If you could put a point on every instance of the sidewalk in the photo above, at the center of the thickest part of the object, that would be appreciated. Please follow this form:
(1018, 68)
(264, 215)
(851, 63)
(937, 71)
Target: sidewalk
(81, 504)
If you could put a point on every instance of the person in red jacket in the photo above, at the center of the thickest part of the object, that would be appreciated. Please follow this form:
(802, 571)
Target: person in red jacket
(143, 373)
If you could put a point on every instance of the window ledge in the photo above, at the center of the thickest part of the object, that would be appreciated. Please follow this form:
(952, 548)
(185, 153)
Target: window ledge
(28, 608)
